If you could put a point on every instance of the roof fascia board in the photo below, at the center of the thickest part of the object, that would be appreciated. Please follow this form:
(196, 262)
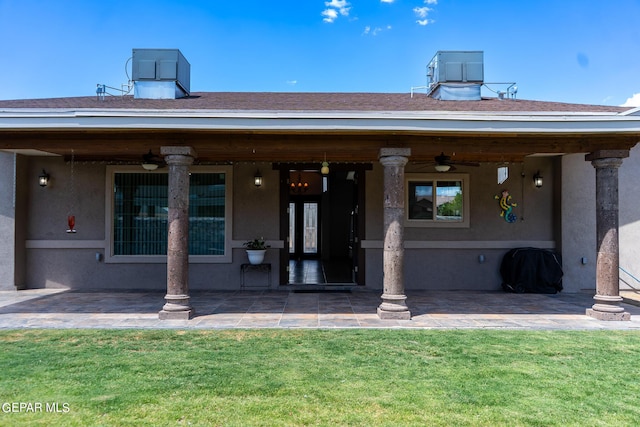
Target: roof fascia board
(320, 121)
(631, 112)
(453, 115)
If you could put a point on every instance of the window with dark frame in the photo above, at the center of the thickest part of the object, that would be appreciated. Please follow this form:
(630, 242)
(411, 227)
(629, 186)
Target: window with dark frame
(434, 200)
(141, 207)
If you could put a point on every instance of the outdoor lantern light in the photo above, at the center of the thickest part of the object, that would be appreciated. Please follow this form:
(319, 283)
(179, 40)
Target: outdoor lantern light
(537, 180)
(257, 179)
(43, 179)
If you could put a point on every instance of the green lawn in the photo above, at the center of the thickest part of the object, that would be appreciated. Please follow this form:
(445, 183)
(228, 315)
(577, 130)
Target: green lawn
(319, 377)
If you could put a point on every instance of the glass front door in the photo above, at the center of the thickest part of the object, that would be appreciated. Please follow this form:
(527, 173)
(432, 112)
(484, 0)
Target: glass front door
(321, 225)
(303, 228)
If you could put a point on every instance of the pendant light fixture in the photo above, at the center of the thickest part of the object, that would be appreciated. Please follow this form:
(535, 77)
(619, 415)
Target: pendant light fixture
(324, 170)
(300, 186)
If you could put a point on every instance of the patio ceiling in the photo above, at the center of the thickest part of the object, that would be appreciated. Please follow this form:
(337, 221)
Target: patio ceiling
(213, 146)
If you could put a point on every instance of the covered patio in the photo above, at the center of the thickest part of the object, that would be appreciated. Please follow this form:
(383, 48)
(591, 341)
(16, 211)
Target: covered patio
(58, 308)
(387, 132)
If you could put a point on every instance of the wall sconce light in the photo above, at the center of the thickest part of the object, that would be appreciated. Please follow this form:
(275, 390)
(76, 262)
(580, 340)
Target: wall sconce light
(43, 179)
(537, 180)
(257, 179)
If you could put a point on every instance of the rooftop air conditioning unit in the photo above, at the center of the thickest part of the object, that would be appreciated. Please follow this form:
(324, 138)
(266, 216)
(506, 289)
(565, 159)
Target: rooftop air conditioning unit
(456, 75)
(160, 74)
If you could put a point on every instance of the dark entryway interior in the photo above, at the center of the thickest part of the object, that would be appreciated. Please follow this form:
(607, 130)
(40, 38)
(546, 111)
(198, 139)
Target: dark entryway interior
(324, 226)
(318, 272)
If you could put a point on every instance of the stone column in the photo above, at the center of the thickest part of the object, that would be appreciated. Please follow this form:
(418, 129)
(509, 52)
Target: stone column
(608, 299)
(177, 306)
(393, 304)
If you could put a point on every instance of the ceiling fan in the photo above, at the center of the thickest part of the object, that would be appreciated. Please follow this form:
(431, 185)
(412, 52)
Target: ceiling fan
(152, 161)
(443, 163)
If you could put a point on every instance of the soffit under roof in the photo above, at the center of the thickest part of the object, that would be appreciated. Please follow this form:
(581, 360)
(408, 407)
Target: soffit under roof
(122, 129)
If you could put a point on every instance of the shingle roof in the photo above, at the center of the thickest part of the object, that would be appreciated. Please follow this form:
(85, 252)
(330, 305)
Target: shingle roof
(309, 101)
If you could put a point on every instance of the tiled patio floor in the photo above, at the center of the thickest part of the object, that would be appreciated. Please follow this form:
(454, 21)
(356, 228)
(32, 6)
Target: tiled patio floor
(48, 308)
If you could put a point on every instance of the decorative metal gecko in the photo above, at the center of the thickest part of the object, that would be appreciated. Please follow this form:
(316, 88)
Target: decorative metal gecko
(506, 206)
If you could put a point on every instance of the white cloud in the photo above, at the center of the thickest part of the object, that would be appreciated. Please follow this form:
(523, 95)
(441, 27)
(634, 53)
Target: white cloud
(330, 15)
(333, 8)
(634, 101)
(424, 22)
(390, 1)
(368, 31)
(292, 82)
(421, 12)
(337, 4)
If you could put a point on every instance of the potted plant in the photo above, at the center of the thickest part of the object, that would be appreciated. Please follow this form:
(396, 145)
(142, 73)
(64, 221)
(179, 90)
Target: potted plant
(256, 249)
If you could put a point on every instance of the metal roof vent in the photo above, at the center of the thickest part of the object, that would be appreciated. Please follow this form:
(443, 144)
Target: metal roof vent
(160, 74)
(456, 75)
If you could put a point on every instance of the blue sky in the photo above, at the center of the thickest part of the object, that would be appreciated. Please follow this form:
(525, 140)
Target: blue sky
(579, 51)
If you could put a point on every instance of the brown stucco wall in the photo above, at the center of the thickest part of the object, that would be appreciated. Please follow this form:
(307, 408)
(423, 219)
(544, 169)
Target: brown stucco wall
(578, 227)
(57, 259)
(578, 224)
(449, 258)
(629, 199)
(13, 205)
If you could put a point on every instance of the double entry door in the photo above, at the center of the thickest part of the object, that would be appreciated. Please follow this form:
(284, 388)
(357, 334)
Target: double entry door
(321, 223)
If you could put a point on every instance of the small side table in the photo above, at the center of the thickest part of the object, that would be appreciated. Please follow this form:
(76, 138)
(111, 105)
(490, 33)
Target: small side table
(265, 268)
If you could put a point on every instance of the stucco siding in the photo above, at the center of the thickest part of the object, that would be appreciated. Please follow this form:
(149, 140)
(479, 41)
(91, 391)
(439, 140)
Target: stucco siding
(469, 258)
(255, 210)
(55, 258)
(435, 258)
(7, 222)
(81, 195)
(578, 223)
(629, 176)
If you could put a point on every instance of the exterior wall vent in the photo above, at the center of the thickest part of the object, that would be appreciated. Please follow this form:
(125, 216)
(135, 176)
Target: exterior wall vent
(160, 74)
(456, 75)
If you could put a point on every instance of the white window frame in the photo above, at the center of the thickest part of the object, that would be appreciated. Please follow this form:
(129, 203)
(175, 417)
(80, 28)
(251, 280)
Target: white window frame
(433, 178)
(162, 259)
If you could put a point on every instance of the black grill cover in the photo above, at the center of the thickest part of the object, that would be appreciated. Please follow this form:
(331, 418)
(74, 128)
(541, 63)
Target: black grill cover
(531, 270)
